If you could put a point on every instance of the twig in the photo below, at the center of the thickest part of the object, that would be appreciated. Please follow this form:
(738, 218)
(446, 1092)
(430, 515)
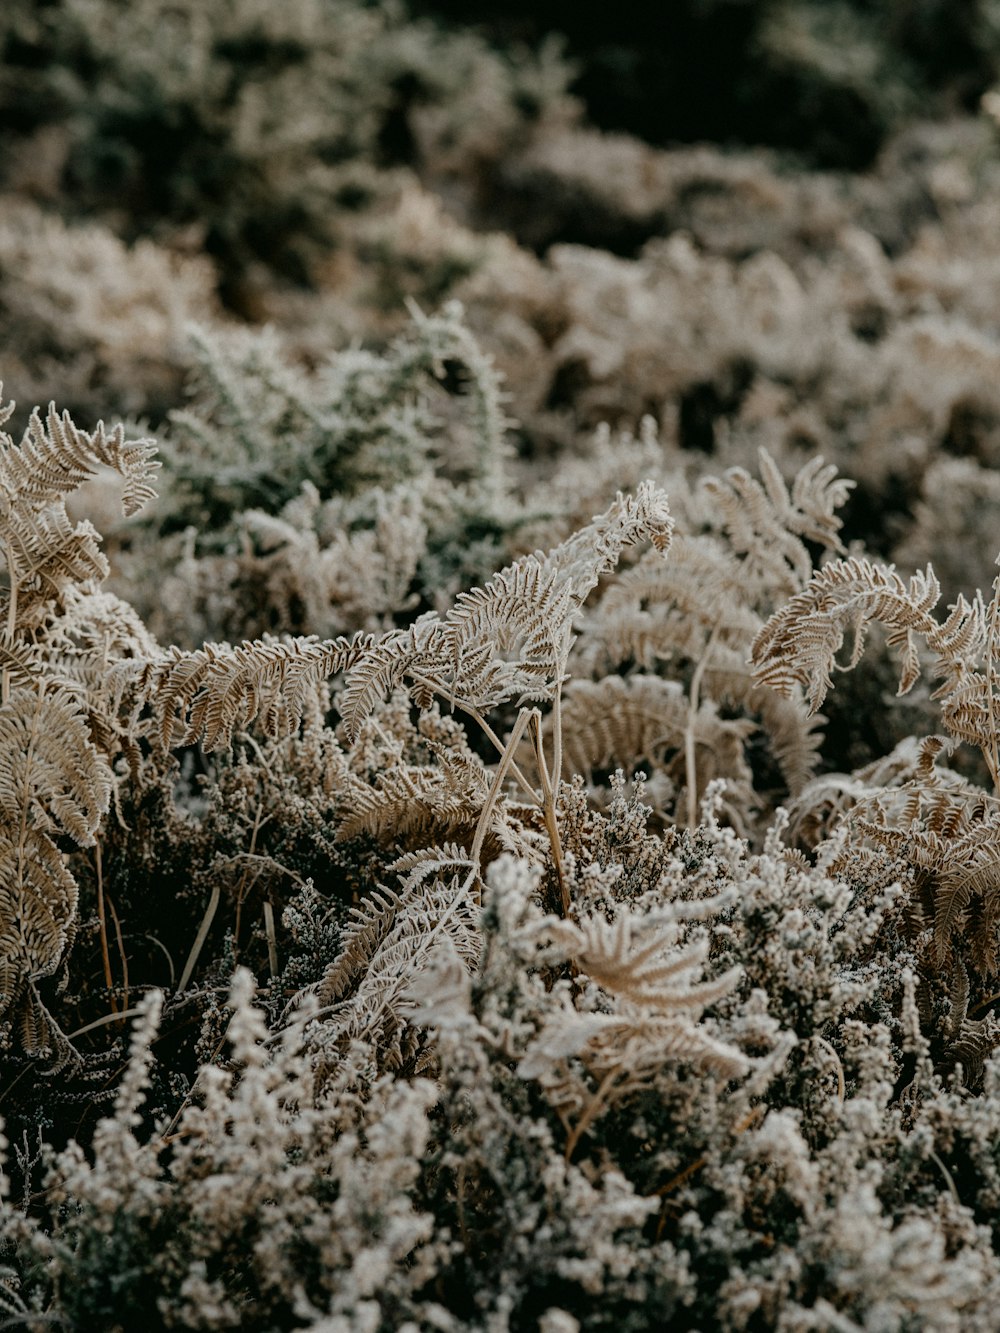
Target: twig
(116, 1017)
(164, 950)
(841, 1087)
(741, 1126)
(947, 1175)
(11, 619)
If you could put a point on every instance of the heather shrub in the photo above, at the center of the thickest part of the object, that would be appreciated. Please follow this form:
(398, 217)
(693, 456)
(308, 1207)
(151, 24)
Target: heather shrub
(488, 840)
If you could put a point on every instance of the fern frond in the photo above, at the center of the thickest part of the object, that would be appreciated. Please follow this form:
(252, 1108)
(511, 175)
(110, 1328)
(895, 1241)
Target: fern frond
(652, 979)
(975, 1043)
(799, 644)
(367, 925)
(48, 556)
(765, 523)
(416, 866)
(621, 722)
(19, 660)
(389, 941)
(385, 663)
(525, 611)
(52, 778)
(638, 972)
(38, 899)
(55, 458)
(410, 803)
(970, 874)
(209, 693)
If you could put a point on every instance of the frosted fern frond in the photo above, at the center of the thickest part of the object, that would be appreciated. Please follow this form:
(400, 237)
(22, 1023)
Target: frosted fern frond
(51, 777)
(54, 458)
(970, 875)
(38, 898)
(654, 972)
(651, 1018)
(409, 803)
(386, 663)
(209, 693)
(46, 554)
(391, 938)
(766, 523)
(367, 925)
(508, 640)
(414, 867)
(621, 722)
(646, 722)
(19, 660)
(799, 644)
(52, 781)
(495, 614)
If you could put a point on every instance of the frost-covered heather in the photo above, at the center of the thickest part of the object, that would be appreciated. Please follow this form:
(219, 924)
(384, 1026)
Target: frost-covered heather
(500, 749)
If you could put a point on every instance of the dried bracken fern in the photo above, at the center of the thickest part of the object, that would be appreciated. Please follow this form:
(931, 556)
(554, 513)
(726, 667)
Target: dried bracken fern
(944, 828)
(59, 636)
(799, 644)
(506, 641)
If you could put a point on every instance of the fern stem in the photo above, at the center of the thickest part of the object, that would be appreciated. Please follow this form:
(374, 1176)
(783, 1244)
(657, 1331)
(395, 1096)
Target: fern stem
(549, 811)
(557, 736)
(506, 760)
(272, 938)
(121, 950)
(491, 735)
(203, 929)
(102, 925)
(590, 1112)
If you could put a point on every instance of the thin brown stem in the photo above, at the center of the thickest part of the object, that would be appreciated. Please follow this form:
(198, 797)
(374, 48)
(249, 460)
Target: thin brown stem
(838, 1066)
(272, 938)
(244, 887)
(557, 736)
(102, 926)
(590, 1112)
(690, 760)
(121, 951)
(485, 815)
(472, 711)
(741, 1126)
(549, 811)
(199, 939)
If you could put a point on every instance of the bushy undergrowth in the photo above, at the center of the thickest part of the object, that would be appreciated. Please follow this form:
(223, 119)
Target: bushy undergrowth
(430, 895)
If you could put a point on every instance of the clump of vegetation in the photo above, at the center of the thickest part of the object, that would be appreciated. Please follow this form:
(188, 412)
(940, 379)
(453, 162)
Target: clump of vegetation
(430, 895)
